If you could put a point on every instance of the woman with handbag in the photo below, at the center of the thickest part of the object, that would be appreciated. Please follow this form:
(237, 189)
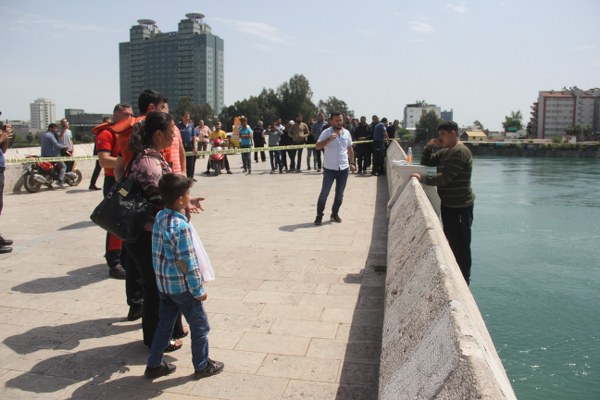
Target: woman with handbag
(148, 138)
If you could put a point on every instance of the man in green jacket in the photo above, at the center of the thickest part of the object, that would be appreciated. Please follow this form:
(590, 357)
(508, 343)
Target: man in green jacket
(454, 164)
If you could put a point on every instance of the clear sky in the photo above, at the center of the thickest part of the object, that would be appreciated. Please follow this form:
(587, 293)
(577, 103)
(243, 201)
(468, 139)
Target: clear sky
(483, 59)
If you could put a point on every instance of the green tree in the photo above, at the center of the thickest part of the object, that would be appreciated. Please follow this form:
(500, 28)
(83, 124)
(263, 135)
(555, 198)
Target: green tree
(427, 127)
(478, 125)
(197, 111)
(295, 97)
(404, 134)
(513, 122)
(334, 104)
(290, 98)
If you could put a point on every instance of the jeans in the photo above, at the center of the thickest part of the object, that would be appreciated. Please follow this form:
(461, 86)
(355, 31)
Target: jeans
(63, 170)
(95, 174)
(246, 159)
(263, 156)
(292, 155)
(378, 157)
(316, 160)
(457, 228)
(275, 160)
(1, 188)
(193, 311)
(299, 162)
(141, 252)
(190, 166)
(329, 176)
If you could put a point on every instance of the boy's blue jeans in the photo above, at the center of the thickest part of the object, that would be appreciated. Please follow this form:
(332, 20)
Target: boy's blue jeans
(193, 311)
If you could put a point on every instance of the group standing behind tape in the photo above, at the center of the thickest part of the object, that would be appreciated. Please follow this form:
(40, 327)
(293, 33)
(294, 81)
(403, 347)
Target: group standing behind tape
(189, 153)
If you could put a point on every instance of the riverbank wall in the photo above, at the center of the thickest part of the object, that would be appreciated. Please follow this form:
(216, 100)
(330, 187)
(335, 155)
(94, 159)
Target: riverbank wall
(524, 149)
(435, 344)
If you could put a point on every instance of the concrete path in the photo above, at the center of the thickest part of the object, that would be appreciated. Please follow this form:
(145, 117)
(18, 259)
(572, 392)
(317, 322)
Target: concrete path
(295, 312)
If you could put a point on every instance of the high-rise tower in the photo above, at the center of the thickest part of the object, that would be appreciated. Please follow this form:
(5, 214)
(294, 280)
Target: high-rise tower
(188, 62)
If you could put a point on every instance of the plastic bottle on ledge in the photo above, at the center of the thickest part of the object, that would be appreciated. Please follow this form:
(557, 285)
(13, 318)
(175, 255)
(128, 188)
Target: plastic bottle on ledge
(409, 156)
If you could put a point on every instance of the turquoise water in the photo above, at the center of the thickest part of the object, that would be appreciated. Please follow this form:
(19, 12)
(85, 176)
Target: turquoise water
(536, 271)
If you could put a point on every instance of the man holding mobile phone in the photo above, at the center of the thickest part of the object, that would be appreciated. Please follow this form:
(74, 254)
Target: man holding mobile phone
(5, 136)
(338, 159)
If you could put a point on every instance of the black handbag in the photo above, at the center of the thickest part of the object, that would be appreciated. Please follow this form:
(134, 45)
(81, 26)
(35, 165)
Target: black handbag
(124, 211)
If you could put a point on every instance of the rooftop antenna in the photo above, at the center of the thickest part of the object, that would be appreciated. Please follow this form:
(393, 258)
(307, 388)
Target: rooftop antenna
(196, 17)
(150, 24)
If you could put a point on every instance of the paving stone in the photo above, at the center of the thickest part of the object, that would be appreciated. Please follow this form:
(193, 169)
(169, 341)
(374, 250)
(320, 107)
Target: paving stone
(336, 349)
(329, 301)
(303, 368)
(223, 339)
(231, 386)
(288, 287)
(257, 296)
(275, 311)
(238, 361)
(240, 323)
(225, 306)
(278, 344)
(304, 328)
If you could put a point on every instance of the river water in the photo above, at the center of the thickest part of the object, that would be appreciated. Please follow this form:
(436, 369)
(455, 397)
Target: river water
(536, 271)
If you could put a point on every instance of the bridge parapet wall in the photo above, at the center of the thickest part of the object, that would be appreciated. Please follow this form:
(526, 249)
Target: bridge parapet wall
(435, 344)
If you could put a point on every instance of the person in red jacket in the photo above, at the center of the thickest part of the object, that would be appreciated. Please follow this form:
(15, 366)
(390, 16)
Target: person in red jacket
(115, 255)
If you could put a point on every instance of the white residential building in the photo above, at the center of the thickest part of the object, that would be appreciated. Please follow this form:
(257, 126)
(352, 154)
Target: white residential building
(43, 112)
(561, 110)
(414, 112)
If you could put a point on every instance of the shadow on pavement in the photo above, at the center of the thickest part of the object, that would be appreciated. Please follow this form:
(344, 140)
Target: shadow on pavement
(78, 225)
(96, 365)
(75, 279)
(67, 336)
(292, 228)
(360, 370)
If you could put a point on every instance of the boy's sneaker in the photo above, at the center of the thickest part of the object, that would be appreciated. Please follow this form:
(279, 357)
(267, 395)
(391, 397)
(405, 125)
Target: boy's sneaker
(336, 218)
(212, 368)
(319, 219)
(156, 372)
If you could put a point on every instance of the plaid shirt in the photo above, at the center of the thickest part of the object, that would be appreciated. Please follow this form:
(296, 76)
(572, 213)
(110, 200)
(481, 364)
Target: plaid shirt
(172, 243)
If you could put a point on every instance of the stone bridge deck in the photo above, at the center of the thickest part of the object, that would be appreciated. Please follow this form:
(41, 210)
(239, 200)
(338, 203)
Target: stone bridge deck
(296, 311)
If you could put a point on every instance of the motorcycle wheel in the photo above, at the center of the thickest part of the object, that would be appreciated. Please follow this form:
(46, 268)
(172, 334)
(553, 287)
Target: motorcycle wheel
(77, 180)
(30, 184)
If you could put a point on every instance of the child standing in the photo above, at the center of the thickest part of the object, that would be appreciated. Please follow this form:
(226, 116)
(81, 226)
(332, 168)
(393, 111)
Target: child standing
(179, 281)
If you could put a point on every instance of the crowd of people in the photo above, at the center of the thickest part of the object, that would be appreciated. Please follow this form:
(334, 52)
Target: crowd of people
(296, 132)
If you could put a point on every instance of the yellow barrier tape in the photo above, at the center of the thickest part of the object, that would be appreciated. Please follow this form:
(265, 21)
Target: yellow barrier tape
(189, 153)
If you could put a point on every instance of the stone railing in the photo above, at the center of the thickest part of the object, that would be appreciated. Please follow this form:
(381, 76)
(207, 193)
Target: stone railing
(435, 344)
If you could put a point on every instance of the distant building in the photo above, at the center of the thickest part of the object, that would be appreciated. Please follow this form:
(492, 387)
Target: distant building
(81, 123)
(447, 115)
(414, 112)
(188, 62)
(559, 111)
(473, 136)
(43, 112)
(20, 128)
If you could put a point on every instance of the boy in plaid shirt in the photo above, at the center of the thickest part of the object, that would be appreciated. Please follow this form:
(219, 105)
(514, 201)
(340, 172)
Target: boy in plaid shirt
(179, 280)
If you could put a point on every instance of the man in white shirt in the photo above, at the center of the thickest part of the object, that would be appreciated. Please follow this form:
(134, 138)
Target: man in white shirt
(66, 137)
(338, 159)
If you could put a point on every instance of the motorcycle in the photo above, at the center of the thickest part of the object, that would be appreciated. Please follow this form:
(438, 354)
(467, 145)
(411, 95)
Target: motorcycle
(38, 173)
(217, 161)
